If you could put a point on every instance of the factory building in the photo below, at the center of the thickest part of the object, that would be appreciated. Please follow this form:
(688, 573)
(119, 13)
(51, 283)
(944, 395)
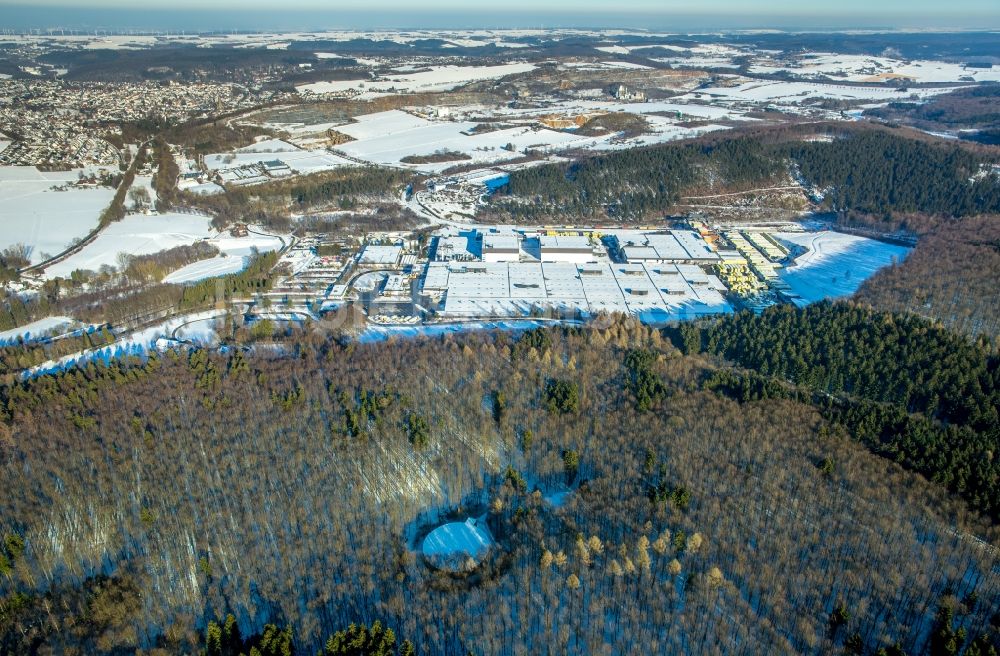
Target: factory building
(384, 256)
(511, 289)
(454, 249)
(562, 248)
(501, 248)
(678, 246)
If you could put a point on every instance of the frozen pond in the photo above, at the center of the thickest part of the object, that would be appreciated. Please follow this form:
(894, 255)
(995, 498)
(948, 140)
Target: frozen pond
(835, 264)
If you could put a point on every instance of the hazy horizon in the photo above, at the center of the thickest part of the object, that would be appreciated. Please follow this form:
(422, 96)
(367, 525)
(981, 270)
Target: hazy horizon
(303, 15)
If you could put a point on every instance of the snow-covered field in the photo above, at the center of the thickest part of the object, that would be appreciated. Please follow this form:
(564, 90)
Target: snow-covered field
(47, 221)
(866, 68)
(303, 161)
(835, 264)
(138, 234)
(35, 329)
(792, 93)
(439, 78)
(214, 266)
(388, 137)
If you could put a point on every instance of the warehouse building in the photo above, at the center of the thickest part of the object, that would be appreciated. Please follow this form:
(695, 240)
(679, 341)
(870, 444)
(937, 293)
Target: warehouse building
(375, 255)
(501, 248)
(562, 248)
(515, 289)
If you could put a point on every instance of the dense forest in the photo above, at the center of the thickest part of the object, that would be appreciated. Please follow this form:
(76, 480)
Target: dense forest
(912, 391)
(967, 108)
(855, 170)
(644, 501)
(951, 276)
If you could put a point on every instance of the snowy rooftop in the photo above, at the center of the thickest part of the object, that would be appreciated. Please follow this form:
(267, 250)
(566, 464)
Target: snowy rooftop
(388, 255)
(516, 288)
(501, 243)
(564, 243)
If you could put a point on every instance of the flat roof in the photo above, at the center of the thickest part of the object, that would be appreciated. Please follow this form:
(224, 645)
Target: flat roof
(501, 243)
(661, 291)
(667, 247)
(696, 247)
(565, 243)
(640, 253)
(374, 254)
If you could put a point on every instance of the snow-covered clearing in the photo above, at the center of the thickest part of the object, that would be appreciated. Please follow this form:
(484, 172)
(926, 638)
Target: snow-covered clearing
(375, 333)
(303, 161)
(206, 189)
(409, 135)
(35, 329)
(138, 343)
(457, 540)
(835, 264)
(214, 266)
(792, 93)
(439, 78)
(138, 234)
(46, 221)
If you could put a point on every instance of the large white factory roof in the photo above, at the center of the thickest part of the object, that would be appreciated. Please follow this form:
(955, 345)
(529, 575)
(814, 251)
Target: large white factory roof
(667, 247)
(674, 246)
(695, 245)
(454, 247)
(518, 288)
(564, 243)
(387, 255)
(504, 243)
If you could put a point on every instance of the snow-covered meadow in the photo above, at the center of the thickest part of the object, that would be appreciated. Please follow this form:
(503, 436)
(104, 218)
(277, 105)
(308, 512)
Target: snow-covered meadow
(835, 264)
(138, 234)
(388, 137)
(297, 159)
(437, 78)
(47, 221)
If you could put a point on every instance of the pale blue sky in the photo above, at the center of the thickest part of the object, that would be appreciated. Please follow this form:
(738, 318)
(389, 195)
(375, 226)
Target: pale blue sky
(712, 15)
(800, 7)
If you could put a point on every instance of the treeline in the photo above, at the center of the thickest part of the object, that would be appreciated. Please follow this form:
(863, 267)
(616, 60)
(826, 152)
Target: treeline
(254, 279)
(155, 266)
(968, 108)
(643, 512)
(17, 357)
(271, 203)
(138, 298)
(909, 390)
(215, 137)
(16, 310)
(860, 170)
(165, 178)
(116, 210)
